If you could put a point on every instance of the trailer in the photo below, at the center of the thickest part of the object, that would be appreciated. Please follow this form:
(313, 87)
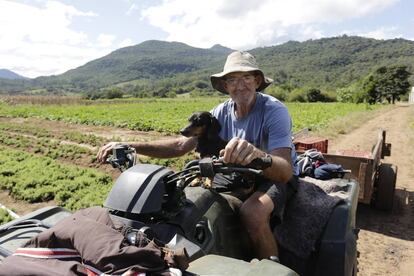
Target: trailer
(376, 179)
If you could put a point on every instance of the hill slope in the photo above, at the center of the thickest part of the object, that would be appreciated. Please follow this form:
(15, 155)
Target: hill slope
(156, 65)
(334, 61)
(7, 74)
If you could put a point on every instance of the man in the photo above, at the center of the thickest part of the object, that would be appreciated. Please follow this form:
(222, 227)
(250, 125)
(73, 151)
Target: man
(256, 125)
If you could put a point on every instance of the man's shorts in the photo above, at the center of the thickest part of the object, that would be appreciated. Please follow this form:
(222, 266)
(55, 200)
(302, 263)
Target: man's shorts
(280, 193)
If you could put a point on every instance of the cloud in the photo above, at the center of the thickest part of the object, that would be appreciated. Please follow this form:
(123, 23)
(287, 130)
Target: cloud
(39, 40)
(382, 33)
(105, 40)
(132, 9)
(125, 43)
(243, 24)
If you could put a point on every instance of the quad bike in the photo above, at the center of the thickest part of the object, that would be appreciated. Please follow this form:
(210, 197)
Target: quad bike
(162, 204)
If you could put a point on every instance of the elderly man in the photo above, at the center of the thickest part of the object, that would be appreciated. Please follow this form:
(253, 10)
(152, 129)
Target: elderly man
(256, 125)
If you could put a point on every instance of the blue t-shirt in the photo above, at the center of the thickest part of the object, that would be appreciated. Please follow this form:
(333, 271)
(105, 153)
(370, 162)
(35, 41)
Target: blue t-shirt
(268, 126)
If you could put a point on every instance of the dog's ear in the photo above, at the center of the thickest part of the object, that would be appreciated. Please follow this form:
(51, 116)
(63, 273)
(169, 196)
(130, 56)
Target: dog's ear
(215, 128)
(192, 118)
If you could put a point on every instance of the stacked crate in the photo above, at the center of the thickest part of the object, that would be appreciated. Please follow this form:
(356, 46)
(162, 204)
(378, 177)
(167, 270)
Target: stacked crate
(306, 143)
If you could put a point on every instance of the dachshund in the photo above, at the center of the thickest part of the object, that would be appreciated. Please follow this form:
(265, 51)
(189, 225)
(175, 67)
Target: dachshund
(206, 128)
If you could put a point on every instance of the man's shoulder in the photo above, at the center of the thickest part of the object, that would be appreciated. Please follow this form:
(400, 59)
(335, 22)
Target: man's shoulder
(222, 107)
(270, 102)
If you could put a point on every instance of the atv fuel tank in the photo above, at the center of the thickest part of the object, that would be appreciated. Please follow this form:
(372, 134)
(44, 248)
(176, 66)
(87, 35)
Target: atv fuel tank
(139, 190)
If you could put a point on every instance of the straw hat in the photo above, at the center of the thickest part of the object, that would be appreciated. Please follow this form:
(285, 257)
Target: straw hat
(239, 62)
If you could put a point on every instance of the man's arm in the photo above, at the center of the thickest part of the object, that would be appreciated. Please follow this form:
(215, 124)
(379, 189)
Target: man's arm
(239, 151)
(167, 148)
(281, 169)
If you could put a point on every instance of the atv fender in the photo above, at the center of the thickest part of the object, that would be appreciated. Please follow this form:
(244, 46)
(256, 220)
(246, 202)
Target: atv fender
(220, 265)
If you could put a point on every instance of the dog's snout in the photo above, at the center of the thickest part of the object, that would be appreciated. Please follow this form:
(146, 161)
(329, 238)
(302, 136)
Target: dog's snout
(184, 132)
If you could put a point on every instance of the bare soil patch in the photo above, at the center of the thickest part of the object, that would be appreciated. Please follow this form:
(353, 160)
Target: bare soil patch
(21, 207)
(111, 133)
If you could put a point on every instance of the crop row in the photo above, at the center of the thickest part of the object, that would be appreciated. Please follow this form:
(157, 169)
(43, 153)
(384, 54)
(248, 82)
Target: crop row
(30, 170)
(73, 136)
(54, 149)
(47, 147)
(35, 178)
(4, 216)
(167, 115)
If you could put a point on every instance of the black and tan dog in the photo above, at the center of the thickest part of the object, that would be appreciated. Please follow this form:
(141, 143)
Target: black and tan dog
(206, 128)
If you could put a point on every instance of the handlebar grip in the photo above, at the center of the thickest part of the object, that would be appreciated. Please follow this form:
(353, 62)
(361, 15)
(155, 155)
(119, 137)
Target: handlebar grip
(261, 163)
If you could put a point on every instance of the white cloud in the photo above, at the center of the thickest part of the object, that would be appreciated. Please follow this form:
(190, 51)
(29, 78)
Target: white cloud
(125, 43)
(243, 24)
(382, 33)
(41, 41)
(132, 9)
(105, 40)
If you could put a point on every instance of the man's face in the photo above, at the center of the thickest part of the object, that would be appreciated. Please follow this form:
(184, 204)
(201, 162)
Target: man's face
(242, 86)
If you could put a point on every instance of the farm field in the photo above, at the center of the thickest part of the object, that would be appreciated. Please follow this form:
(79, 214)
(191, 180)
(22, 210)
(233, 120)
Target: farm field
(52, 162)
(166, 115)
(47, 151)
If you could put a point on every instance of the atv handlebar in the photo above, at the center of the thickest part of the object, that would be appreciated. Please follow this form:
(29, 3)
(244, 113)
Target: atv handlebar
(209, 167)
(123, 157)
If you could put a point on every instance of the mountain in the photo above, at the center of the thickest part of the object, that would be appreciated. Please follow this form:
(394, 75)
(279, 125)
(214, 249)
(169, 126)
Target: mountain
(156, 67)
(332, 62)
(7, 74)
(221, 49)
(150, 59)
(148, 62)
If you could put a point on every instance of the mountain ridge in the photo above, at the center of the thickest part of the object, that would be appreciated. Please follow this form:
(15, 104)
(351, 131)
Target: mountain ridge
(9, 74)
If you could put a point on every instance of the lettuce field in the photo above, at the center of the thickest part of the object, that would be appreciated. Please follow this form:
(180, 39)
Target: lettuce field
(166, 115)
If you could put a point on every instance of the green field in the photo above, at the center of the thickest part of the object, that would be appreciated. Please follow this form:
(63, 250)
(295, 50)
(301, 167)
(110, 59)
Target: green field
(36, 167)
(167, 115)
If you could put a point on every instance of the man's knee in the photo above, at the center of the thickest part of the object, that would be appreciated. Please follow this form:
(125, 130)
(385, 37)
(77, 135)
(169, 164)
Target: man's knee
(256, 210)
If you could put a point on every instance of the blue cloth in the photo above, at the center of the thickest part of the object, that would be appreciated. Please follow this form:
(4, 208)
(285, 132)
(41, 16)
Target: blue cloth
(328, 171)
(268, 126)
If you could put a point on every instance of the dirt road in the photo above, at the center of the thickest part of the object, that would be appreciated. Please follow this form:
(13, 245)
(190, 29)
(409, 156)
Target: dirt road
(386, 240)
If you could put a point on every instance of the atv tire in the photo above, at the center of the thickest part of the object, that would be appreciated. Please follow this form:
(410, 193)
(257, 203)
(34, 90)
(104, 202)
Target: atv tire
(385, 188)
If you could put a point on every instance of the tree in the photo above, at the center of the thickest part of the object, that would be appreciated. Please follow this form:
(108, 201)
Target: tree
(113, 93)
(388, 83)
(314, 95)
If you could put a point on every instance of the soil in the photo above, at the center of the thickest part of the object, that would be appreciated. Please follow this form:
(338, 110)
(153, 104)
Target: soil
(386, 239)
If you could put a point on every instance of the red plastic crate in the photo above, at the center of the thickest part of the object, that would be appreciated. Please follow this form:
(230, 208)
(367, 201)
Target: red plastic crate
(305, 143)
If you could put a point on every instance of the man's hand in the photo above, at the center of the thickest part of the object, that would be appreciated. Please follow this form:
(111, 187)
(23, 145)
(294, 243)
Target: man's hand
(104, 151)
(239, 151)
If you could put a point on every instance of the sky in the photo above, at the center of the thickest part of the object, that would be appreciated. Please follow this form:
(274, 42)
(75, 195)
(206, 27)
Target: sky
(49, 37)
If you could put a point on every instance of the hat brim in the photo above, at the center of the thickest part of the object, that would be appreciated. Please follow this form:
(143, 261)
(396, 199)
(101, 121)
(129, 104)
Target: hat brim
(217, 80)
